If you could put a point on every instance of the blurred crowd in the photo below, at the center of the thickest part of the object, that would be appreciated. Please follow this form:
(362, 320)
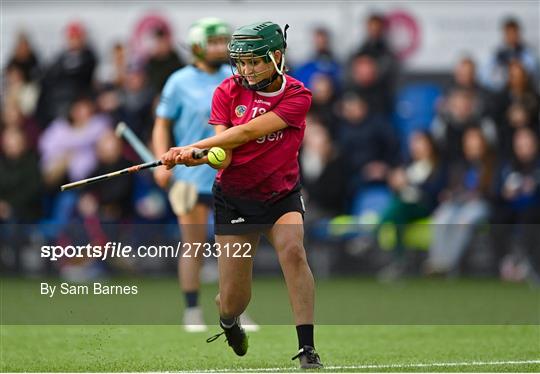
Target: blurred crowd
(378, 147)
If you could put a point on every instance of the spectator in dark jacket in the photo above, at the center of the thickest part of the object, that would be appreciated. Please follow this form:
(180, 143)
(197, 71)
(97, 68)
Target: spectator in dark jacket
(324, 103)
(520, 88)
(366, 81)
(456, 116)
(376, 45)
(369, 144)
(517, 117)
(373, 68)
(20, 184)
(163, 60)
(71, 75)
(517, 207)
(136, 101)
(465, 78)
(114, 198)
(25, 58)
(323, 177)
(131, 103)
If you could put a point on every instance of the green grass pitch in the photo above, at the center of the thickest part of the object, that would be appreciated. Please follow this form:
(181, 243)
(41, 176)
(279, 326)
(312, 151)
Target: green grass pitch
(358, 348)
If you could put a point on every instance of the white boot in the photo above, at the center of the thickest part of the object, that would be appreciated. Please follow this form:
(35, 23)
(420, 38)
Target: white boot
(193, 320)
(247, 323)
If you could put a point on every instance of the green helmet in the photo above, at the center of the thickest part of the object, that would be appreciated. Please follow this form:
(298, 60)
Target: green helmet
(257, 40)
(205, 28)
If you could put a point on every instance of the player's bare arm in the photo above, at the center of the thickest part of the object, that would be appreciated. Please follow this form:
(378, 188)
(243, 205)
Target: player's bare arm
(229, 139)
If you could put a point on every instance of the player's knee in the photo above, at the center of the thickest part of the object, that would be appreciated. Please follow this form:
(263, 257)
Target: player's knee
(293, 253)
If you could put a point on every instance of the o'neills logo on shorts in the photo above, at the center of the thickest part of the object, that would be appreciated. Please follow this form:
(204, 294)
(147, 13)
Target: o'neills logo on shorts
(240, 110)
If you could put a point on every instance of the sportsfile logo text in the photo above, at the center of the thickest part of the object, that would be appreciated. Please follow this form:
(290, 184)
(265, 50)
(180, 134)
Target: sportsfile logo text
(118, 250)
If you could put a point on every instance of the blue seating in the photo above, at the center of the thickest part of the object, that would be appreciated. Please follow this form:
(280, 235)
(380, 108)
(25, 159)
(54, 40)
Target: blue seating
(371, 200)
(415, 109)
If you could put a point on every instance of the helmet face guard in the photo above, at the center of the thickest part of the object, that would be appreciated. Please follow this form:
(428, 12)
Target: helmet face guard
(256, 41)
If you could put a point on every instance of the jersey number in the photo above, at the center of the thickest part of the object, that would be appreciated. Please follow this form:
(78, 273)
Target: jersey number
(257, 111)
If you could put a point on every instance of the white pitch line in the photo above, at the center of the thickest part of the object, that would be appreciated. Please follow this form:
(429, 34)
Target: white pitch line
(384, 366)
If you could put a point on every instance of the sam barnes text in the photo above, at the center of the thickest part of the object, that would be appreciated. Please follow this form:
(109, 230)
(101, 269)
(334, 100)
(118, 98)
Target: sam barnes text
(80, 289)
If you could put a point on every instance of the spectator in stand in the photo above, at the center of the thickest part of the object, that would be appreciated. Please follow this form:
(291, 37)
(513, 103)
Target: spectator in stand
(20, 196)
(518, 88)
(136, 101)
(68, 145)
(458, 114)
(70, 75)
(369, 142)
(113, 71)
(24, 58)
(322, 62)
(416, 186)
(517, 117)
(495, 74)
(373, 67)
(131, 102)
(12, 118)
(366, 81)
(324, 102)
(323, 175)
(517, 206)
(108, 102)
(20, 185)
(465, 203)
(163, 60)
(465, 78)
(114, 198)
(19, 91)
(102, 212)
(376, 45)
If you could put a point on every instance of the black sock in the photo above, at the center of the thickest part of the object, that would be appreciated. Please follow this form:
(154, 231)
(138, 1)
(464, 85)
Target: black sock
(192, 298)
(227, 322)
(305, 335)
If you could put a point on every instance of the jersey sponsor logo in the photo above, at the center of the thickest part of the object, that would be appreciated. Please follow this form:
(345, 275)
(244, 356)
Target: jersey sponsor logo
(259, 101)
(240, 110)
(272, 137)
(238, 220)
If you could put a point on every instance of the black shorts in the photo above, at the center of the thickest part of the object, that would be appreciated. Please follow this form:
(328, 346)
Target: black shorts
(206, 199)
(237, 216)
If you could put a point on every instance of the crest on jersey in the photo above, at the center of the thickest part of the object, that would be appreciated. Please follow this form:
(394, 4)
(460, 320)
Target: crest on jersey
(240, 110)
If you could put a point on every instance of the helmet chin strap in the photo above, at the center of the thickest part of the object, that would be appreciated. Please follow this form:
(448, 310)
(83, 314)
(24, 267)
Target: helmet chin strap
(267, 82)
(280, 70)
(260, 85)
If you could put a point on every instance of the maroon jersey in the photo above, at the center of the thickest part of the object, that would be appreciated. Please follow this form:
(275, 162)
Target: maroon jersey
(265, 168)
